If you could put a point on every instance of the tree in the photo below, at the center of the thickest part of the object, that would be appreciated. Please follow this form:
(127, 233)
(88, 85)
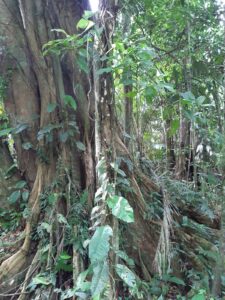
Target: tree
(35, 98)
(62, 110)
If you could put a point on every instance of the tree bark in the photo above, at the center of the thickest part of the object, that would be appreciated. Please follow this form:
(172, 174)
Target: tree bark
(35, 82)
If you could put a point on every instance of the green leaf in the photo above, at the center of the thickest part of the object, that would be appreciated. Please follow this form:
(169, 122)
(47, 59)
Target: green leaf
(51, 107)
(103, 71)
(46, 130)
(52, 198)
(14, 197)
(82, 24)
(80, 146)
(20, 127)
(99, 244)
(21, 184)
(64, 256)
(123, 255)
(150, 93)
(121, 208)
(116, 168)
(60, 31)
(41, 280)
(168, 87)
(61, 219)
(88, 14)
(69, 100)
(188, 98)
(173, 279)
(199, 297)
(82, 63)
(126, 275)
(200, 100)
(81, 280)
(25, 195)
(63, 136)
(5, 131)
(46, 226)
(175, 124)
(67, 294)
(85, 24)
(100, 278)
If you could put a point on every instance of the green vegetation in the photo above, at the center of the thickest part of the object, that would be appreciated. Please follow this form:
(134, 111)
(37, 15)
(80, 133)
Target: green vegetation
(112, 150)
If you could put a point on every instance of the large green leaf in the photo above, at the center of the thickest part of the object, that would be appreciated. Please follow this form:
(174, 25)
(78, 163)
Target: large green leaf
(25, 195)
(103, 71)
(80, 146)
(126, 275)
(100, 278)
(4, 132)
(20, 127)
(42, 280)
(173, 279)
(69, 100)
(14, 197)
(21, 184)
(121, 208)
(99, 244)
(85, 24)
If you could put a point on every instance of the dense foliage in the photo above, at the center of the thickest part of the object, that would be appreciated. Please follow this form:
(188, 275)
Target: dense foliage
(124, 198)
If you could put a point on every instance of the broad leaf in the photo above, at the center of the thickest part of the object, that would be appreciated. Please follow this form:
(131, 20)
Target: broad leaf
(14, 197)
(41, 280)
(126, 275)
(200, 100)
(21, 184)
(20, 127)
(100, 278)
(63, 136)
(121, 208)
(99, 244)
(103, 71)
(64, 256)
(61, 219)
(85, 24)
(25, 195)
(125, 257)
(173, 279)
(80, 146)
(88, 14)
(46, 226)
(82, 63)
(5, 131)
(69, 100)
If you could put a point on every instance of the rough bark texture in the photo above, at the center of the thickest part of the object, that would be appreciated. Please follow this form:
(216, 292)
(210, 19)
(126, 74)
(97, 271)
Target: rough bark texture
(34, 82)
(7, 180)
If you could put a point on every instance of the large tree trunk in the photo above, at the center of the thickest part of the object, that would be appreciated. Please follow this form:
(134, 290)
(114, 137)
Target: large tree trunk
(34, 83)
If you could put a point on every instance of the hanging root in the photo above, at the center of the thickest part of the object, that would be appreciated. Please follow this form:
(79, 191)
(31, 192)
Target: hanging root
(163, 253)
(33, 267)
(20, 259)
